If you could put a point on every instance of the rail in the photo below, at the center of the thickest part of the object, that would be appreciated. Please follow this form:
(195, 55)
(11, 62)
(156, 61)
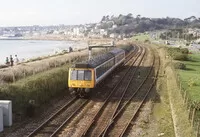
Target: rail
(103, 105)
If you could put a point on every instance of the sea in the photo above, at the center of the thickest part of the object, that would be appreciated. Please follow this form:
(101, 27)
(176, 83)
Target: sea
(27, 49)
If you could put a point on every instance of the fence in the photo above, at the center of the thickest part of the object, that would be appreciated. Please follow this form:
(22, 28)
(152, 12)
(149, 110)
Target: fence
(193, 112)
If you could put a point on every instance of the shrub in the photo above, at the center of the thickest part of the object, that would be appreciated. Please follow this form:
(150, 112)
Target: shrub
(192, 82)
(179, 65)
(171, 51)
(180, 56)
(178, 53)
(184, 51)
(146, 41)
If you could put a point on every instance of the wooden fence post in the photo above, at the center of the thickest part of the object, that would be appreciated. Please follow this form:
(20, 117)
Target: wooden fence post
(197, 133)
(193, 116)
(189, 111)
(185, 96)
(180, 85)
(187, 99)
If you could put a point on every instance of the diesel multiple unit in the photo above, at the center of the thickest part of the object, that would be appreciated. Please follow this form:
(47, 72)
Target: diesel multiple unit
(86, 75)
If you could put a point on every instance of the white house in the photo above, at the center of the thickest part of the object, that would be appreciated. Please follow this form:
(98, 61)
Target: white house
(76, 31)
(114, 26)
(114, 35)
(103, 32)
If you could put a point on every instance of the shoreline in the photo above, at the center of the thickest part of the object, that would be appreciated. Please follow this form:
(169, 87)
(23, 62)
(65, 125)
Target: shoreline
(57, 38)
(42, 57)
(92, 41)
(51, 48)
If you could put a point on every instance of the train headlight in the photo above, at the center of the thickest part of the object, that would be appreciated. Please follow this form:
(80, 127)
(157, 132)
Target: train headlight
(72, 85)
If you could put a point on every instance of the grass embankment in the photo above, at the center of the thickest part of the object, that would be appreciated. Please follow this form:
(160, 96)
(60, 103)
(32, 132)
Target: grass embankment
(40, 87)
(170, 113)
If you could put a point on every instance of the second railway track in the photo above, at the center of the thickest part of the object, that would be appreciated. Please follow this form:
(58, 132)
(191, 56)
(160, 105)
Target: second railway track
(120, 122)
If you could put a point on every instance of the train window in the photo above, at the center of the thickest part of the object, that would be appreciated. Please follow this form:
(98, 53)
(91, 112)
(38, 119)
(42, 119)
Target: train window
(88, 75)
(73, 75)
(80, 74)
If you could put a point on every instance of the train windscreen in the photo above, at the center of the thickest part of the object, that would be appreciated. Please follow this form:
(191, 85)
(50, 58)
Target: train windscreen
(73, 75)
(81, 75)
(88, 75)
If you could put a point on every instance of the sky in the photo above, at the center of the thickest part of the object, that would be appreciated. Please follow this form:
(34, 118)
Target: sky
(73, 12)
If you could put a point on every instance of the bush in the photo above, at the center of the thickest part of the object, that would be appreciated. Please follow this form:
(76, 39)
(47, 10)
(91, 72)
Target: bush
(179, 65)
(146, 41)
(184, 51)
(192, 82)
(178, 53)
(180, 56)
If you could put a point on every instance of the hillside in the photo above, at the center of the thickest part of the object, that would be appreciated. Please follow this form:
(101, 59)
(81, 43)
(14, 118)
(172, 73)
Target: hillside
(127, 24)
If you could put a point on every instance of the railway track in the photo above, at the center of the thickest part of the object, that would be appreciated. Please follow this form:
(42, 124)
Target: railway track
(93, 126)
(143, 97)
(51, 125)
(120, 122)
(55, 123)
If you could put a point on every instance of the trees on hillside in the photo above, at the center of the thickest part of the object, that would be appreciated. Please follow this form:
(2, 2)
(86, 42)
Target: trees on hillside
(129, 24)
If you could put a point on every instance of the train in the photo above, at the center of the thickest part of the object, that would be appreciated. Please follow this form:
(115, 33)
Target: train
(85, 76)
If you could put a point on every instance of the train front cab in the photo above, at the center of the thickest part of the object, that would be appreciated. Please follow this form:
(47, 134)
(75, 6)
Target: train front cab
(81, 81)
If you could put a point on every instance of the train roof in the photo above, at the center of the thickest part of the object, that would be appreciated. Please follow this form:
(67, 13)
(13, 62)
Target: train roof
(96, 61)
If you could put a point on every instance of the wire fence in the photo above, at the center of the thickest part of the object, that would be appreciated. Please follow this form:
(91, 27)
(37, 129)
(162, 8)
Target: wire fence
(193, 111)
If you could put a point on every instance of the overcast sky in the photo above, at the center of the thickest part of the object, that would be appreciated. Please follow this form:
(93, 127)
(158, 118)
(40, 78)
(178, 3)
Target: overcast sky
(54, 12)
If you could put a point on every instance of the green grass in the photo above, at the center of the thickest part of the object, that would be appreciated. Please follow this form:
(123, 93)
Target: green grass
(190, 78)
(141, 37)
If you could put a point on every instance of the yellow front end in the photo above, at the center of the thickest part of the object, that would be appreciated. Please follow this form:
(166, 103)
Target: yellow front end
(81, 78)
